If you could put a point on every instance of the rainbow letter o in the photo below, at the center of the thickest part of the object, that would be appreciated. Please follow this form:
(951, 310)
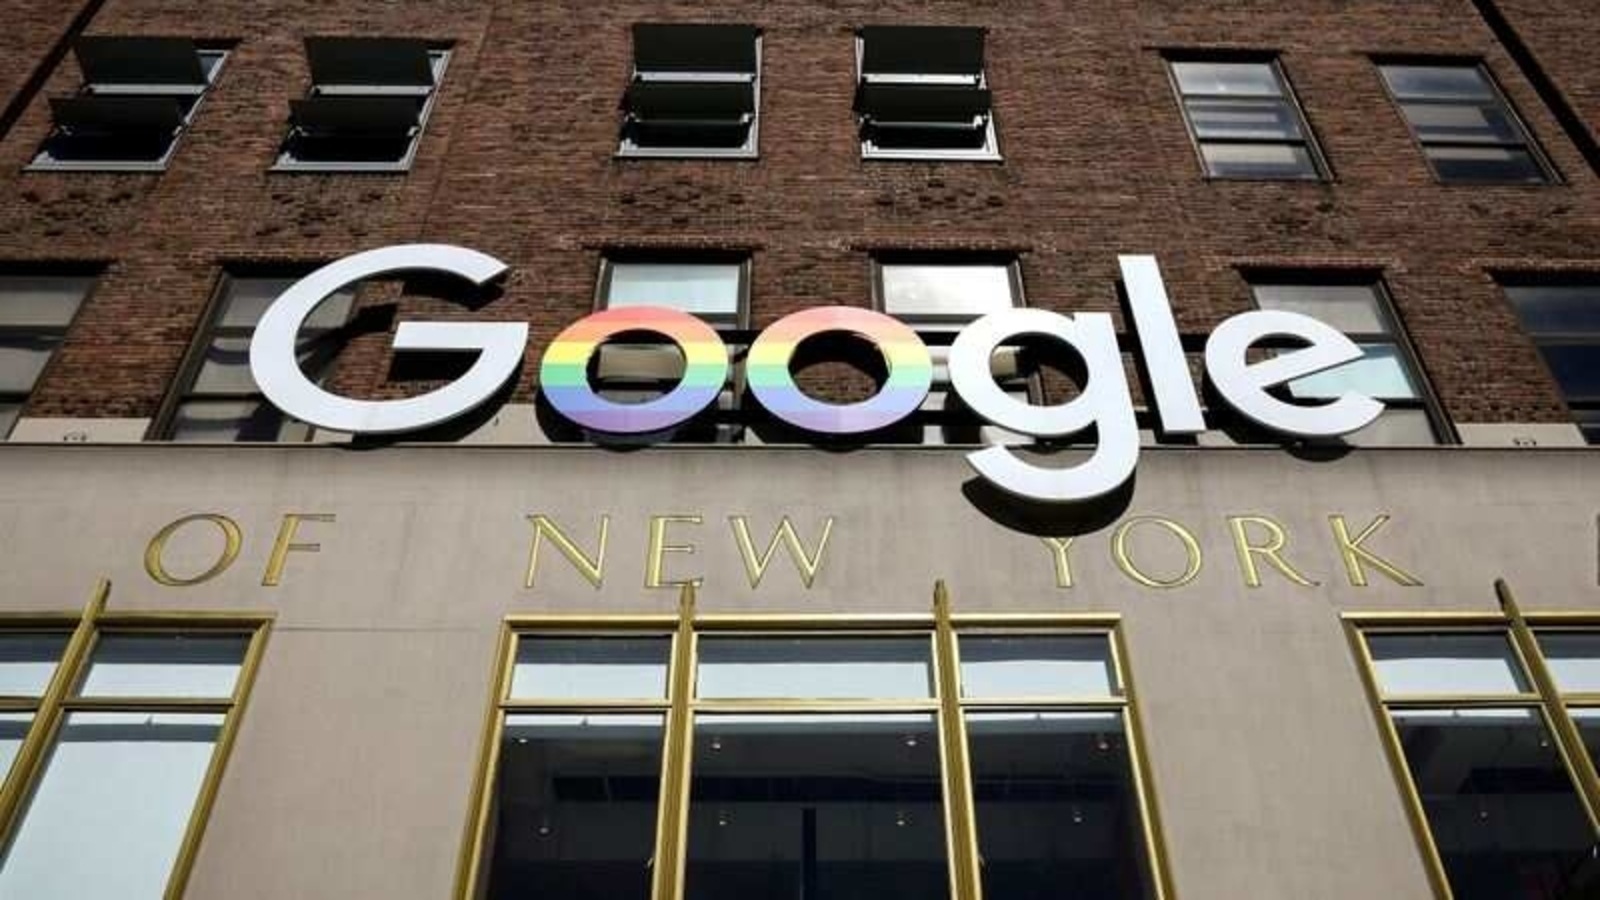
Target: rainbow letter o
(910, 370)
(564, 372)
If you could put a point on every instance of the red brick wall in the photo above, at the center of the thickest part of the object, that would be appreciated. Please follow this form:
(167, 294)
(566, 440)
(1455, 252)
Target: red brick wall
(518, 161)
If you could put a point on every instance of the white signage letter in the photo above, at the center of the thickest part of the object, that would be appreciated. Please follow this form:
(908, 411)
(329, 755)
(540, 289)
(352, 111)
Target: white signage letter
(1170, 382)
(1244, 385)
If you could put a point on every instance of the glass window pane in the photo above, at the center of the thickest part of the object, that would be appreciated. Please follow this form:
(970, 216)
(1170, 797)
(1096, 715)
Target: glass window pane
(575, 807)
(1473, 123)
(235, 420)
(1381, 373)
(1396, 428)
(226, 368)
(910, 291)
(1258, 160)
(248, 299)
(118, 789)
(1588, 424)
(1573, 658)
(1437, 664)
(1249, 79)
(1485, 164)
(165, 665)
(815, 668)
(592, 668)
(821, 807)
(1351, 308)
(1500, 804)
(1253, 119)
(1056, 805)
(1438, 83)
(1588, 722)
(1557, 308)
(9, 413)
(707, 289)
(46, 301)
(1053, 666)
(1576, 367)
(13, 731)
(22, 358)
(27, 661)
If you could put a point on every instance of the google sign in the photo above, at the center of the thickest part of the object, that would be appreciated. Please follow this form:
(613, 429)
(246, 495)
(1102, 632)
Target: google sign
(1104, 401)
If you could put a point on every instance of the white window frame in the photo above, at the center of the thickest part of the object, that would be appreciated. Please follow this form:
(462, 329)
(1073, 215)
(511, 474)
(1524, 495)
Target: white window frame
(438, 59)
(989, 152)
(751, 149)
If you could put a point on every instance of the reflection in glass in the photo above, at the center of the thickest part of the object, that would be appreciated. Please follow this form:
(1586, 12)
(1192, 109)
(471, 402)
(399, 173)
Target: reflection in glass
(1020, 667)
(22, 358)
(1249, 79)
(963, 290)
(165, 665)
(235, 420)
(815, 668)
(592, 668)
(42, 301)
(575, 807)
(1458, 82)
(1056, 806)
(13, 731)
(1511, 164)
(1258, 160)
(706, 289)
(1381, 372)
(1351, 308)
(9, 412)
(118, 789)
(1435, 664)
(816, 807)
(27, 661)
(1573, 658)
(1502, 810)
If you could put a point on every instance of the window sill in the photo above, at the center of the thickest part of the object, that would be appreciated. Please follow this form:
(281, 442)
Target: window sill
(929, 156)
(134, 168)
(340, 168)
(737, 155)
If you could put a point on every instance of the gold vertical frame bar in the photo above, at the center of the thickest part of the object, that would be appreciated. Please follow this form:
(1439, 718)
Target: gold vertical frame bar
(961, 831)
(672, 809)
(1143, 774)
(469, 867)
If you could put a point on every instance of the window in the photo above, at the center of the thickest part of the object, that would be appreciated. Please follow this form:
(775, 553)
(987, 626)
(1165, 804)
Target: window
(1491, 749)
(922, 94)
(219, 400)
(714, 287)
(368, 103)
(139, 95)
(1244, 120)
(114, 731)
(1564, 321)
(817, 764)
(695, 91)
(1388, 371)
(938, 299)
(35, 311)
(1466, 128)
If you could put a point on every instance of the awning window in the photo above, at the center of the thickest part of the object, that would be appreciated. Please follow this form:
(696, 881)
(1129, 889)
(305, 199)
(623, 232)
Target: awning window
(695, 90)
(922, 92)
(695, 48)
(899, 50)
(145, 64)
(355, 115)
(370, 65)
(368, 103)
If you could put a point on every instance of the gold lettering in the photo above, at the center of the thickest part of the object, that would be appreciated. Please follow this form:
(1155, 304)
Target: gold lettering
(1357, 557)
(1271, 551)
(659, 548)
(755, 568)
(1191, 547)
(285, 544)
(592, 569)
(232, 539)
(1058, 551)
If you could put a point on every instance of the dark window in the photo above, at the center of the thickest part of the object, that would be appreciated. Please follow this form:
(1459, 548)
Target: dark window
(1245, 121)
(1564, 321)
(35, 311)
(695, 91)
(1465, 126)
(368, 103)
(922, 94)
(139, 94)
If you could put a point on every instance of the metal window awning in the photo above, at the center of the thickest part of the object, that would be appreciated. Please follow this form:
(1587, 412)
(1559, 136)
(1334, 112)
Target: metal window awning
(711, 101)
(932, 104)
(167, 64)
(355, 115)
(117, 115)
(921, 50)
(401, 63)
(694, 48)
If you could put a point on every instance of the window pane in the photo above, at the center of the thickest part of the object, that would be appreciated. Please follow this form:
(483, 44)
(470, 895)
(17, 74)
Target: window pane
(1573, 658)
(1381, 373)
(226, 368)
(1474, 123)
(566, 668)
(1588, 722)
(47, 301)
(1434, 664)
(1589, 424)
(1056, 806)
(22, 358)
(910, 291)
(1250, 79)
(1396, 428)
(1055, 666)
(820, 807)
(575, 807)
(13, 731)
(118, 789)
(702, 289)
(235, 420)
(1558, 308)
(1254, 119)
(1351, 308)
(1258, 161)
(1485, 164)
(1502, 809)
(9, 413)
(815, 668)
(248, 299)
(164, 665)
(27, 661)
(1576, 367)
(1438, 82)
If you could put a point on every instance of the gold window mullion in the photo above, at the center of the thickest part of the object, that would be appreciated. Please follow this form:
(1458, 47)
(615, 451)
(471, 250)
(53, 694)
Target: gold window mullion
(672, 810)
(1141, 771)
(960, 820)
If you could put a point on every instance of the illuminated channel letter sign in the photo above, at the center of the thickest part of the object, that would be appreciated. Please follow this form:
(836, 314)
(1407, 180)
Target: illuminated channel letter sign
(1104, 402)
